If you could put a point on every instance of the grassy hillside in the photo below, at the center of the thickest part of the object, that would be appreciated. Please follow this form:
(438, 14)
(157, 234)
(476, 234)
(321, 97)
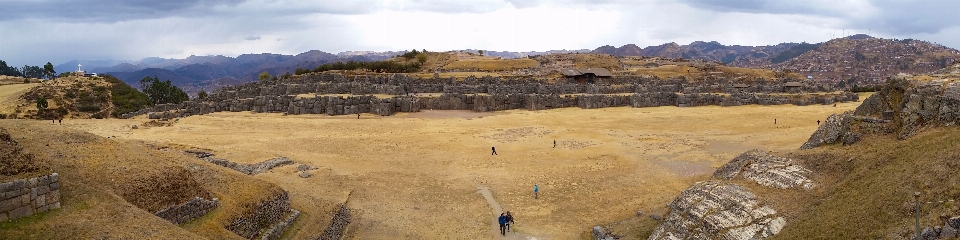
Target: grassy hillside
(866, 190)
(110, 188)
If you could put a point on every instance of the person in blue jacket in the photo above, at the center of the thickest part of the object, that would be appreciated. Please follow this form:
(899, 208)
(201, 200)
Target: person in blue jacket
(503, 223)
(536, 191)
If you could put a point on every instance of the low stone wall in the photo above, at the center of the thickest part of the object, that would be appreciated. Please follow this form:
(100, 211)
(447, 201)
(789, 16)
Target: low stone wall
(276, 230)
(338, 226)
(182, 213)
(254, 223)
(25, 197)
(249, 169)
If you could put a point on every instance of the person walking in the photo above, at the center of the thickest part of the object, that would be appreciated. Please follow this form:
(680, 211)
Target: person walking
(60, 120)
(554, 143)
(494, 149)
(503, 223)
(536, 191)
(818, 122)
(509, 221)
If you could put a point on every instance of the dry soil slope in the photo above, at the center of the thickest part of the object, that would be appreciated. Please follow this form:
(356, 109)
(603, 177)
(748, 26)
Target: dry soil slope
(110, 188)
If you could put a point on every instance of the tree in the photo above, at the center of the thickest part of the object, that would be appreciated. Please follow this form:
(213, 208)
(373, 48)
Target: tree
(42, 104)
(202, 95)
(422, 58)
(48, 71)
(9, 70)
(161, 92)
(264, 76)
(480, 52)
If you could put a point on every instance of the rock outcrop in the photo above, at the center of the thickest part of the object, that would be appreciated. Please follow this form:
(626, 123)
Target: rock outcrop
(718, 210)
(904, 106)
(767, 170)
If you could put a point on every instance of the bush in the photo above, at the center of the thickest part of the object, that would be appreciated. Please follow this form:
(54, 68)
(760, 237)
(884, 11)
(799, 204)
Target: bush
(88, 108)
(26, 80)
(125, 99)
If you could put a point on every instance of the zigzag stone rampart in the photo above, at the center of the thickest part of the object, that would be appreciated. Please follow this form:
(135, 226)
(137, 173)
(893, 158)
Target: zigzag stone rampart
(482, 95)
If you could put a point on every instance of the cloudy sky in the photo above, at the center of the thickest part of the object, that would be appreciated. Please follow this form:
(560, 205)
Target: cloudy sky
(37, 31)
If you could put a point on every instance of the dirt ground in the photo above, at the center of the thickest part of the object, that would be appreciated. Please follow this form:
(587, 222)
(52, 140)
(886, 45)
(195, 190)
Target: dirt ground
(417, 175)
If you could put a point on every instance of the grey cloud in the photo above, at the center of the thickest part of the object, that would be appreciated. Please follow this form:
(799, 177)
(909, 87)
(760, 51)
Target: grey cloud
(106, 10)
(886, 16)
(252, 38)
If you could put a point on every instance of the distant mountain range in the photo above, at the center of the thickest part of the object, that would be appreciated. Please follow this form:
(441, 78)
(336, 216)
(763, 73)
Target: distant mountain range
(857, 59)
(854, 59)
(711, 51)
(209, 72)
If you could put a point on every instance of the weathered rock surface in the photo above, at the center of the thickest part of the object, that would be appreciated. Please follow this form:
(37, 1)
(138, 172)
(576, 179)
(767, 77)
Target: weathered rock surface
(903, 106)
(718, 210)
(830, 131)
(767, 170)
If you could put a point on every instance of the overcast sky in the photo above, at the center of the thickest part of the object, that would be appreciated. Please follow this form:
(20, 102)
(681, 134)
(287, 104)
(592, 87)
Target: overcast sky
(37, 31)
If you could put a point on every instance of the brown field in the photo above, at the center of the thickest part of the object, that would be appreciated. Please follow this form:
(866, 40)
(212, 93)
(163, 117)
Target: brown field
(417, 175)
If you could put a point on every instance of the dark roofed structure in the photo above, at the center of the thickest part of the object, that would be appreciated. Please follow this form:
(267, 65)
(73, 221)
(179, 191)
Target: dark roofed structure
(588, 75)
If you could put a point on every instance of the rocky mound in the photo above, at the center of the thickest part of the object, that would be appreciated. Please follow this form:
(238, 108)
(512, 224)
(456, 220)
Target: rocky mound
(718, 210)
(767, 170)
(905, 105)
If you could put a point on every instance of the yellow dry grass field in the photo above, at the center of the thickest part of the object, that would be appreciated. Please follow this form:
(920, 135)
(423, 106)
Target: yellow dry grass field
(417, 175)
(492, 64)
(10, 96)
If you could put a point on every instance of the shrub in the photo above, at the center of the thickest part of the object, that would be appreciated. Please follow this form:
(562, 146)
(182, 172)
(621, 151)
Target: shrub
(125, 99)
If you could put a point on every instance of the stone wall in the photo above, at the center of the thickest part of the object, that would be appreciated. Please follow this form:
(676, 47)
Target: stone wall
(192, 209)
(483, 94)
(338, 226)
(25, 197)
(340, 105)
(258, 220)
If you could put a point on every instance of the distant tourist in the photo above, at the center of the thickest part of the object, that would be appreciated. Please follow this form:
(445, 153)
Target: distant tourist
(358, 115)
(509, 221)
(818, 122)
(774, 121)
(503, 223)
(554, 143)
(536, 191)
(60, 120)
(494, 149)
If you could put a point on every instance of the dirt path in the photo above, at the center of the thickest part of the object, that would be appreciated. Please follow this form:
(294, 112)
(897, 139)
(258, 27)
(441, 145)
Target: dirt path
(497, 210)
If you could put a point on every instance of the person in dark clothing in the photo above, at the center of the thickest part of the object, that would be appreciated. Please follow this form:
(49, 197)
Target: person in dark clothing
(818, 122)
(554, 143)
(509, 221)
(494, 149)
(503, 223)
(60, 120)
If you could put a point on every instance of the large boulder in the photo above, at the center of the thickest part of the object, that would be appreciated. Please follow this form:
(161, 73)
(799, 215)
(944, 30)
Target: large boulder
(717, 210)
(831, 131)
(767, 170)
